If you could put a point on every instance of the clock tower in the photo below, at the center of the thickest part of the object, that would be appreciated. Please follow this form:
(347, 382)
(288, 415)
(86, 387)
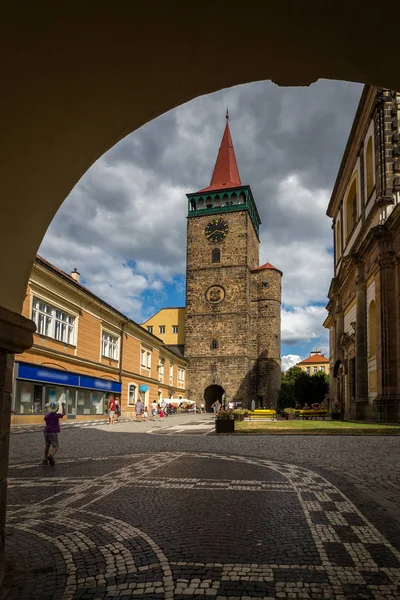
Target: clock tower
(232, 322)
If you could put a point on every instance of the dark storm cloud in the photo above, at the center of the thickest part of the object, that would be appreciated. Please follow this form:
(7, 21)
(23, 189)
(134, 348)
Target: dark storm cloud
(130, 207)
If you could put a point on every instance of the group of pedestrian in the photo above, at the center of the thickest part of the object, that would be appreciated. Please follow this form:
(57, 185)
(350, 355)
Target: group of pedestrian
(142, 411)
(216, 407)
(114, 410)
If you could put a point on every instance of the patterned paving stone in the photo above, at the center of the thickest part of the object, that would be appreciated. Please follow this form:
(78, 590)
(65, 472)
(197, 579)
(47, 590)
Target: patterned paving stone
(191, 525)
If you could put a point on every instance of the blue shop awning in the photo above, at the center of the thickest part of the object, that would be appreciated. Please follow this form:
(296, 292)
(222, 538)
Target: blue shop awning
(65, 378)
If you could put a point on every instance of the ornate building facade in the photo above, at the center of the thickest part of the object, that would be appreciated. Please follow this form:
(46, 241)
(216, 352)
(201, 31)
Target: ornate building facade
(363, 307)
(233, 305)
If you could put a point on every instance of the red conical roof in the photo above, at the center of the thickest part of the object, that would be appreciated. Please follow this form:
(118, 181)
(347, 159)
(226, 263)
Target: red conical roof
(226, 172)
(266, 266)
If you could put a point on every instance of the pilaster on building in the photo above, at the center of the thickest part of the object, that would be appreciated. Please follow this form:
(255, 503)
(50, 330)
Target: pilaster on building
(363, 309)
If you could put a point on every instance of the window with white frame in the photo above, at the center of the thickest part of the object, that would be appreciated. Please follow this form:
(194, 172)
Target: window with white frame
(181, 374)
(161, 328)
(161, 369)
(53, 322)
(174, 328)
(132, 394)
(145, 358)
(150, 328)
(171, 371)
(109, 345)
(308, 370)
(315, 370)
(322, 369)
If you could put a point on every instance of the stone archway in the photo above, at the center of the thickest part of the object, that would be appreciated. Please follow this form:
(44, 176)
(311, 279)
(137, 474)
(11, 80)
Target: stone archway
(211, 394)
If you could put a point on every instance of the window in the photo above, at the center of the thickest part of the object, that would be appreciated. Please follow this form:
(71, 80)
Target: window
(315, 370)
(53, 322)
(308, 370)
(265, 284)
(214, 345)
(372, 329)
(161, 369)
(162, 329)
(369, 167)
(174, 328)
(132, 391)
(145, 358)
(150, 328)
(322, 369)
(181, 374)
(171, 371)
(109, 345)
(216, 255)
(351, 208)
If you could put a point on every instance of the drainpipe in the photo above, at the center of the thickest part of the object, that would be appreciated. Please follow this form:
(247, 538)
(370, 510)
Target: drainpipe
(123, 325)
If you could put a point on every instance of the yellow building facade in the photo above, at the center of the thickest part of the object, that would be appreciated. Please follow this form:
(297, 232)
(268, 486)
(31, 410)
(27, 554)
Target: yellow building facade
(84, 351)
(169, 325)
(315, 363)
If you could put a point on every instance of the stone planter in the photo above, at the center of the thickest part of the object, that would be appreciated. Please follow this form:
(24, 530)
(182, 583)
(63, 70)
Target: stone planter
(224, 425)
(291, 417)
(239, 417)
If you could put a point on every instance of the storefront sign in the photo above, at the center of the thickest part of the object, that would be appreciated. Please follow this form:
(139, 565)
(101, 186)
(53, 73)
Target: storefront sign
(66, 379)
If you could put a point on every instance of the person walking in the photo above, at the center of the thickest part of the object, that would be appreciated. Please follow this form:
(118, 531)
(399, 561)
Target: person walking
(111, 410)
(51, 431)
(145, 414)
(202, 407)
(117, 409)
(153, 410)
(139, 410)
(162, 414)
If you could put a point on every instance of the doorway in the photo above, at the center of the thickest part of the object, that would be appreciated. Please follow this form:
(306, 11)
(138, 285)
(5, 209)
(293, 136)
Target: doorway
(211, 394)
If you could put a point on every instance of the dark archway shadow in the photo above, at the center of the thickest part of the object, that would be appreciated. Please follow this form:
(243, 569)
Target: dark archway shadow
(211, 394)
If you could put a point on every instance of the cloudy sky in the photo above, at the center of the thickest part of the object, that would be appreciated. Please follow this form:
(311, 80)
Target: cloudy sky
(124, 224)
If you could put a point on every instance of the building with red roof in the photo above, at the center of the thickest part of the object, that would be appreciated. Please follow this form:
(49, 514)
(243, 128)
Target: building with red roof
(315, 363)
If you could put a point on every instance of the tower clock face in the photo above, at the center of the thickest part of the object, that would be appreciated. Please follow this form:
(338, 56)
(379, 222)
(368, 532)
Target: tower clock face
(216, 231)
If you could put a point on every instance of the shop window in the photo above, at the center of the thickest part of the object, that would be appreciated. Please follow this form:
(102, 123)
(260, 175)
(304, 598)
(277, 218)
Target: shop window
(132, 394)
(97, 400)
(83, 405)
(53, 322)
(28, 398)
(372, 329)
(109, 346)
(216, 255)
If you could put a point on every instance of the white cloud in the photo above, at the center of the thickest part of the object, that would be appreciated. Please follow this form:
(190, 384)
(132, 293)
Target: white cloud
(288, 361)
(304, 324)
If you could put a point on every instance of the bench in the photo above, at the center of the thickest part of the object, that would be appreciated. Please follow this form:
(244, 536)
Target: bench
(262, 414)
(312, 414)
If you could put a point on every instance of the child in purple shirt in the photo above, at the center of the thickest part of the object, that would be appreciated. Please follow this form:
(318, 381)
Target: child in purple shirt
(51, 432)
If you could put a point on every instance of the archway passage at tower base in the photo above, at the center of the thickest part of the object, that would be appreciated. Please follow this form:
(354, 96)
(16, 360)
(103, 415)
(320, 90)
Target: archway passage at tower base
(211, 394)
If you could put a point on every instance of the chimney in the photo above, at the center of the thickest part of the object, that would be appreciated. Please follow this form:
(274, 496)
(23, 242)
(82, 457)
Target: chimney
(75, 275)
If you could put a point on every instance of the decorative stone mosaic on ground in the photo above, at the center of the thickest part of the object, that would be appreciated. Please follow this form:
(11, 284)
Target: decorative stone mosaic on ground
(187, 526)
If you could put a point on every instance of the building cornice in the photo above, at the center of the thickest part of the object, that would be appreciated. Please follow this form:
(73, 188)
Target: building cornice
(359, 128)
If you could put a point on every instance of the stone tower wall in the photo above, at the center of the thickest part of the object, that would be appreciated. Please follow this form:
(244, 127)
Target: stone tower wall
(266, 320)
(229, 321)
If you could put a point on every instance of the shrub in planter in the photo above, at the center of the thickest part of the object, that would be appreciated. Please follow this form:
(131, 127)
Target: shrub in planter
(290, 413)
(224, 421)
(239, 414)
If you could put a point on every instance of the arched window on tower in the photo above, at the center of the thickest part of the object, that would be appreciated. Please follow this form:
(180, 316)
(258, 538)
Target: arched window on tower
(216, 255)
(351, 207)
(217, 201)
(200, 203)
(242, 198)
(214, 345)
(369, 167)
(225, 200)
(193, 205)
(209, 203)
(372, 329)
(234, 199)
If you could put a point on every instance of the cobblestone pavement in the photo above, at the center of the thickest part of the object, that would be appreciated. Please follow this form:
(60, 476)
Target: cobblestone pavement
(125, 514)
